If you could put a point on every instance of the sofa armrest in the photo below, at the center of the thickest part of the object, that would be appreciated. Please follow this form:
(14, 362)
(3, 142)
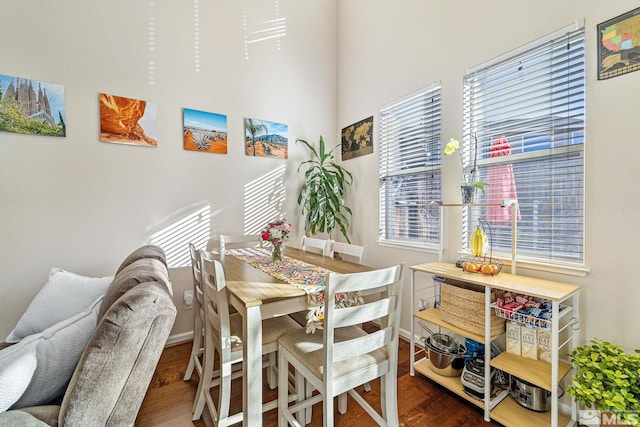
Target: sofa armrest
(116, 368)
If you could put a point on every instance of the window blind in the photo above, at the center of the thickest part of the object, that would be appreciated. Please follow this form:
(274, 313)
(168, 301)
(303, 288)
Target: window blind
(410, 159)
(524, 115)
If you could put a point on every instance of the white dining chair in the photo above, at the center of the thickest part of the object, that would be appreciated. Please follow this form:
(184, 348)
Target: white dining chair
(223, 334)
(313, 244)
(344, 356)
(234, 241)
(197, 348)
(352, 252)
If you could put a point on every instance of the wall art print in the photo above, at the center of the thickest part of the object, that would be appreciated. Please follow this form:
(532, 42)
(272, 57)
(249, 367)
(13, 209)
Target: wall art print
(619, 45)
(128, 121)
(205, 132)
(31, 107)
(266, 139)
(357, 139)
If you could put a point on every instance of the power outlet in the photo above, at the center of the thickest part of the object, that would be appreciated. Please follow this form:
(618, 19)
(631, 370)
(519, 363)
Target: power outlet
(187, 297)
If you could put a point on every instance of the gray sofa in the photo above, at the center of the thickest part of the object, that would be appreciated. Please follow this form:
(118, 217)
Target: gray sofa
(111, 379)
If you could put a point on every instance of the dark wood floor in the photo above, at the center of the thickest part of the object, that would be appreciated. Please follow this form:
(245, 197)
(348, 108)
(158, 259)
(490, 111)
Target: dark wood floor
(421, 403)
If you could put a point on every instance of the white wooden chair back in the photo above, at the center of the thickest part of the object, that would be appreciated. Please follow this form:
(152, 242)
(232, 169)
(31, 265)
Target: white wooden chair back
(198, 295)
(352, 252)
(312, 244)
(234, 241)
(197, 348)
(386, 310)
(216, 305)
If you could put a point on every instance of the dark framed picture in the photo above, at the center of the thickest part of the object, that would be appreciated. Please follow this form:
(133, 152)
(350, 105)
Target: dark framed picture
(619, 45)
(357, 139)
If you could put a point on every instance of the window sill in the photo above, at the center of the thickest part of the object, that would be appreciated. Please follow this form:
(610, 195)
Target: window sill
(566, 269)
(429, 248)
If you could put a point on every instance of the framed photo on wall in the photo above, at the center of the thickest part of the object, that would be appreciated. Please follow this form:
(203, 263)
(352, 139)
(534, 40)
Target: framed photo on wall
(619, 45)
(357, 139)
(31, 107)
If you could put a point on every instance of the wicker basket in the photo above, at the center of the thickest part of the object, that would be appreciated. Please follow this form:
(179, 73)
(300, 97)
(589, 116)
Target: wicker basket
(463, 306)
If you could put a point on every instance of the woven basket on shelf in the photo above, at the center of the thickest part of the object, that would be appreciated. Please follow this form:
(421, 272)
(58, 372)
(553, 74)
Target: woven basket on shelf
(463, 306)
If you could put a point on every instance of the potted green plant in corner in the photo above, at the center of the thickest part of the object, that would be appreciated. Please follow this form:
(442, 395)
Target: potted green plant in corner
(322, 193)
(607, 379)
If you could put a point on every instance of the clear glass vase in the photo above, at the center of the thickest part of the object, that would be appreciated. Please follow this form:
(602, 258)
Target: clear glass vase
(467, 191)
(278, 252)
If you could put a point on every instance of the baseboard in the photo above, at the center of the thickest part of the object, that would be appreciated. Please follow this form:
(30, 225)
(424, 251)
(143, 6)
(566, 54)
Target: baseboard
(179, 338)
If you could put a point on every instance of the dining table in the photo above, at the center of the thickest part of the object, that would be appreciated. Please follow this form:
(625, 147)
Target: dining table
(257, 295)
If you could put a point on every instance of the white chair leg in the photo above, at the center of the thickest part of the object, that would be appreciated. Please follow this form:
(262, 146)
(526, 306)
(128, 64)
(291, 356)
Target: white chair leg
(224, 395)
(327, 411)
(308, 411)
(283, 389)
(342, 403)
(367, 387)
(389, 400)
(300, 382)
(204, 384)
(272, 379)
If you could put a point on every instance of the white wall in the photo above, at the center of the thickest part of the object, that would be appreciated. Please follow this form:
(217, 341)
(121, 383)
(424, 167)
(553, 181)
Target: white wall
(389, 49)
(82, 204)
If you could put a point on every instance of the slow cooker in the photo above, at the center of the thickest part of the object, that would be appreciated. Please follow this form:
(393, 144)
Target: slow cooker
(530, 396)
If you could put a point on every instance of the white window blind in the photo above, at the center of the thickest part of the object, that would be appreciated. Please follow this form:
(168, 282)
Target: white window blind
(410, 159)
(526, 112)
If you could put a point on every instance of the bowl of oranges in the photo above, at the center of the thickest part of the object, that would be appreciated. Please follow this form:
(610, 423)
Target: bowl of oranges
(484, 266)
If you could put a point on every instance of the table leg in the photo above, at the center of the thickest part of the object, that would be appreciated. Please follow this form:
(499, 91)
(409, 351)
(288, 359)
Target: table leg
(252, 379)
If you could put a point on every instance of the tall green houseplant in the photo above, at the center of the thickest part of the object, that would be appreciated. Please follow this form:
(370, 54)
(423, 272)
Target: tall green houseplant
(322, 193)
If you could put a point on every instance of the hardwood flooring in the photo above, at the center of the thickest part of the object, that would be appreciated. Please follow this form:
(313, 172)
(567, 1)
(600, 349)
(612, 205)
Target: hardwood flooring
(421, 402)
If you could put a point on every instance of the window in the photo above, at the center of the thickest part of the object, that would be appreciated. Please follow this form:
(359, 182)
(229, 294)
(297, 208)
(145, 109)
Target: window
(525, 113)
(410, 159)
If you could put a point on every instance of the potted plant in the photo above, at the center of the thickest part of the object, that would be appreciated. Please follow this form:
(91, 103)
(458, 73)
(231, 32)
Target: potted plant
(469, 184)
(322, 193)
(608, 379)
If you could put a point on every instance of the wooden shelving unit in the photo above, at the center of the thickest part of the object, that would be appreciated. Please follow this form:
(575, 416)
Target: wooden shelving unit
(503, 409)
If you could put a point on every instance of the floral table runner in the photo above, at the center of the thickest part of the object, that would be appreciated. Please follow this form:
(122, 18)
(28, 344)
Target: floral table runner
(308, 277)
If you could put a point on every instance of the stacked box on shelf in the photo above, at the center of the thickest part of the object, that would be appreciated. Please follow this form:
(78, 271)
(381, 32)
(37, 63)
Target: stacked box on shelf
(463, 306)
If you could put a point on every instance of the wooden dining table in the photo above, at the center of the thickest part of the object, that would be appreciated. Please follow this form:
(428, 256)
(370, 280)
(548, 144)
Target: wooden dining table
(256, 295)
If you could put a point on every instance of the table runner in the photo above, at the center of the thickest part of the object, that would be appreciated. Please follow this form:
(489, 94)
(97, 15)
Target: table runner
(308, 277)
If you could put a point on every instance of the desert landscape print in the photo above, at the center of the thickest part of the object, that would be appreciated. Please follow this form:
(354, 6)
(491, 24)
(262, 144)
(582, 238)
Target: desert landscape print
(205, 132)
(266, 139)
(31, 107)
(128, 121)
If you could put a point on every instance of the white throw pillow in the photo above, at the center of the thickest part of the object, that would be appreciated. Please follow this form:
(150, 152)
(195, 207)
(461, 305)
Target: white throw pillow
(64, 295)
(37, 369)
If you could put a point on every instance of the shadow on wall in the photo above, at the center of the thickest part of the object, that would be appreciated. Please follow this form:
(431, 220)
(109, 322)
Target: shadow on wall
(174, 233)
(264, 200)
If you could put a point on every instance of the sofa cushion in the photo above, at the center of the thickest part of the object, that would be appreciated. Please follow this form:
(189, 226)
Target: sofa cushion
(37, 369)
(147, 251)
(140, 271)
(64, 295)
(25, 418)
(111, 379)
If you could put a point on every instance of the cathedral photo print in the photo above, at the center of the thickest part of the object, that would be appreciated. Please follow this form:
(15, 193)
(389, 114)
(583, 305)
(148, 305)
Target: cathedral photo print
(31, 107)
